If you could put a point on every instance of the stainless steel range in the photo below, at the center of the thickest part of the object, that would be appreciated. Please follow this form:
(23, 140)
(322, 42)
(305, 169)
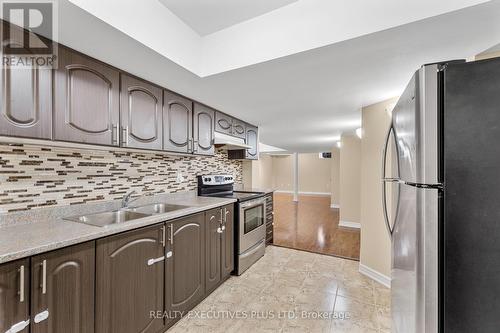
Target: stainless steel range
(250, 218)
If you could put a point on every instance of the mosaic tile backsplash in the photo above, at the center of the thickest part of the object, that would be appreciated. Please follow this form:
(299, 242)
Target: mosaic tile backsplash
(38, 176)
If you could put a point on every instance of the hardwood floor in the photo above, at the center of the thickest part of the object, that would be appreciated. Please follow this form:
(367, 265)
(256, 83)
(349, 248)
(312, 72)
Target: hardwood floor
(312, 225)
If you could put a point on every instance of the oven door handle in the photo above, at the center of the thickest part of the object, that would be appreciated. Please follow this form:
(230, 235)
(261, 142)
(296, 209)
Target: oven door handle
(251, 204)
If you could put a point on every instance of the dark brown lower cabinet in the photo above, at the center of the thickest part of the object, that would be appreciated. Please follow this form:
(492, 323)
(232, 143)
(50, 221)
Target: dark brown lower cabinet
(14, 296)
(185, 267)
(124, 283)
(62, 290)
(213, 225)
(130, 281)
(219, 246)
(227, 245)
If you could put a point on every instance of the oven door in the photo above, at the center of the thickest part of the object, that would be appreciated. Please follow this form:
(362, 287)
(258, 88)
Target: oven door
(252, 223)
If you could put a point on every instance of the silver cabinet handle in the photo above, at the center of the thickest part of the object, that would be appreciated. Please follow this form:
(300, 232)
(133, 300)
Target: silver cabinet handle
(44, 277)
(41, 316)
(114, 134)
(155, 260)
(125, 136)
(21, 284)
(18, 327)
(169, 254)
(163, 236)
(171, 234)
(223, 227)
(225, 215)
(195, 146)
(219, 230)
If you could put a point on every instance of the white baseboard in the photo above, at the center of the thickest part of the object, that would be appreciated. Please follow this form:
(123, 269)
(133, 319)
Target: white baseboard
(349, 224)
(320, 194)
(374, 275)
(335, 206)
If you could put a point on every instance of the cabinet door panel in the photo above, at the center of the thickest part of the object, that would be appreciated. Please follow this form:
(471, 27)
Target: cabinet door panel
(213, 248)
(14, 294)
(177, 123)
(25, 97)
(203, 130)
(252, 139)
(238, 128)
(63, 285)
(185, 269)
(141, 114)
(227, 247)
(127, 287)
(86, 99)
(223, 123)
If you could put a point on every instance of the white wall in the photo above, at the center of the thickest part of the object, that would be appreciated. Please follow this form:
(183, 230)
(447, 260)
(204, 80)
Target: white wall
(350, 180)
(277, 172)
(375, 242)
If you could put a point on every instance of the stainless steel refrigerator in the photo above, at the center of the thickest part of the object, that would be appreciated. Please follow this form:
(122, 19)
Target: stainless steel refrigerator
(443, 182)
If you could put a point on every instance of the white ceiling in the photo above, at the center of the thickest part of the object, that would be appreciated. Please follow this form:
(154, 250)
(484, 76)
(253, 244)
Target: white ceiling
(208, 16)
(302, 102)
(298, 27)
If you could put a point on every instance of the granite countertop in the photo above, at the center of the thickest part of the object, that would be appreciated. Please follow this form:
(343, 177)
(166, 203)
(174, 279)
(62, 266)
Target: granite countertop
(32, 232)
(253, 189)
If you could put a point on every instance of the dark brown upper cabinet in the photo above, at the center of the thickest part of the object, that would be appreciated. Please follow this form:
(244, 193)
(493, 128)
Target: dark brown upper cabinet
(252, 139)
(86, 100)
(238, 128)
(185, 266)
(227, 244)
(14, 296)
(223, 123)
(213, 225)
(130, 281)
(177, 123)
(141, 114)
(62, 290)
(203, 130)
(25, 95)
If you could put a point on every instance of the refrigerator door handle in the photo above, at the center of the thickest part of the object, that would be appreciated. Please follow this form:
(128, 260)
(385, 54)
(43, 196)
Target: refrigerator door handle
(389, 180)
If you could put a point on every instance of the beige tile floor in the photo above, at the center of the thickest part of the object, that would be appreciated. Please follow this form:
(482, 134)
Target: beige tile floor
(285, 290)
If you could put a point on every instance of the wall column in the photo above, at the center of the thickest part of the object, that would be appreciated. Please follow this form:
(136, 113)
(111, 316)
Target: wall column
(295, 177)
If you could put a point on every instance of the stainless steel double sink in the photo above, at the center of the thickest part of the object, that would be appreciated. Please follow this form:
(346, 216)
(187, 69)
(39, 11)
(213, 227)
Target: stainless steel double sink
(125, 214)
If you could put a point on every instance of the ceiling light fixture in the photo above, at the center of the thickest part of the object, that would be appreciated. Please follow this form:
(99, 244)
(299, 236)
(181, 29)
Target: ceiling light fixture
(359, 132)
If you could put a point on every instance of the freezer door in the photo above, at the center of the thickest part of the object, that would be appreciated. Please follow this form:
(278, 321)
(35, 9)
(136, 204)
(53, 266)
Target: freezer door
(415, 122)
(414, 285)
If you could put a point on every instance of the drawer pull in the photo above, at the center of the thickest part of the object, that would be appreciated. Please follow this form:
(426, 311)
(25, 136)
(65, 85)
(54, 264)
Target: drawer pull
(21, 284)
(44, 277)
(41, 316)
(18, 327)
(169, 254)
(151, 262)
(219, 230)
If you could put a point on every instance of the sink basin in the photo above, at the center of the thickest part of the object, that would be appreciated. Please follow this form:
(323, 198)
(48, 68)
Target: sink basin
(157, 208)
(107, 218)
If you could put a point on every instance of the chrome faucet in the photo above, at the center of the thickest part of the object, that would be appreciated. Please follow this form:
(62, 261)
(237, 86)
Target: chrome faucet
(126, 199)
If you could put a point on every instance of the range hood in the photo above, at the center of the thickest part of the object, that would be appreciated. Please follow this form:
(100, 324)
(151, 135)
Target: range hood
(228, 142)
